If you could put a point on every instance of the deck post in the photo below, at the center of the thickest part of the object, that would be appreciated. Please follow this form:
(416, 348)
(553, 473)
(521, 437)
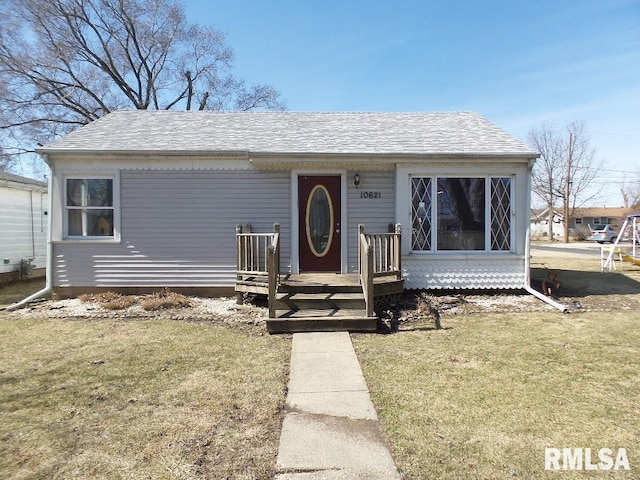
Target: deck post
(276, 231)
(273, 269)
(239, 295)
(272, 281)
(272, 273)
(398, 250)
(369, 280)
(360, 232)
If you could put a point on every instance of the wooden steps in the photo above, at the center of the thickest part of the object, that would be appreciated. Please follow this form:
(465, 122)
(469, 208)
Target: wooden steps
(320, 300)
(321, 304)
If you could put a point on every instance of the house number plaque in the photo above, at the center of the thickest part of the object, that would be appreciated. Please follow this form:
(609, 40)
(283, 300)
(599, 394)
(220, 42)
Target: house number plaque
(371, 195)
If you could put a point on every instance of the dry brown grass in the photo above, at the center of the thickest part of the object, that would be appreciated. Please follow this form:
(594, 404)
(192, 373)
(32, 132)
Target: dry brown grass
(110, 300)
(138, 399)
(482, 398)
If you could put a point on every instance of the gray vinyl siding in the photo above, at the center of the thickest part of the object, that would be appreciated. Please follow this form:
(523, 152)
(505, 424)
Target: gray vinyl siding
(178, 229)
(23, 227)
(375, 213)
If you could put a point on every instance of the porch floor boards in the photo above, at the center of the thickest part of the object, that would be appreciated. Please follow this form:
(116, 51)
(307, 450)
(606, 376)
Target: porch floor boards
(332, 279)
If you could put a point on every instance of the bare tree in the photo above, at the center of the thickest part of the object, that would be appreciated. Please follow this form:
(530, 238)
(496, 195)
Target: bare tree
(5, 160)
(630, 191)
(547, 171)
(65, 63)
(565, 171)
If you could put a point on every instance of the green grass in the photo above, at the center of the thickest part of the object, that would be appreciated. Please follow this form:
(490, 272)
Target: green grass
(482, 398)
(138, 399)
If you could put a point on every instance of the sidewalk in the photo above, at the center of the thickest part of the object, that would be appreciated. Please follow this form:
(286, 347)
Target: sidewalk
(330, 430)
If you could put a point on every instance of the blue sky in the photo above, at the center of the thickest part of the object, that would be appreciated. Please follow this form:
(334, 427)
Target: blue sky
(518, 63)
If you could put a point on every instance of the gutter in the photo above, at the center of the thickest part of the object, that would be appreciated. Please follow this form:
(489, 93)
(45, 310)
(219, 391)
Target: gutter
(48, 288)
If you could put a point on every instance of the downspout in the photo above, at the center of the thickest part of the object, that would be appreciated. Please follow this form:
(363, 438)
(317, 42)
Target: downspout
(49, 270)
(33, 231)
(527, 281)
(527, 256)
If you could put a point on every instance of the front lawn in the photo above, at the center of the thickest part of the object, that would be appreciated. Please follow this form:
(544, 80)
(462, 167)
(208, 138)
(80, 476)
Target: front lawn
(484, 397)
(132, 399)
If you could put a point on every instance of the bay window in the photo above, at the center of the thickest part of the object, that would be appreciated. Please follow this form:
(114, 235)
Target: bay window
(460, 214)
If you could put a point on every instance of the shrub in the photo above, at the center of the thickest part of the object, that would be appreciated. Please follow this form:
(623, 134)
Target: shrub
(165, 299)
(109, 300)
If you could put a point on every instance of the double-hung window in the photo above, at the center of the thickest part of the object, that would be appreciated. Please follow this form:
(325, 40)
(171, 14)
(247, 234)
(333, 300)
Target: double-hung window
(460, 214)
(89, 208)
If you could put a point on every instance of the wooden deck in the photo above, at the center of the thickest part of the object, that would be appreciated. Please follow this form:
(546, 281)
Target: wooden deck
(335, 282)
(320, 301)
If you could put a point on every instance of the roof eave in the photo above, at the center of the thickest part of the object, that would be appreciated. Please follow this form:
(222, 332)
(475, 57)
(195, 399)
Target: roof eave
(265, 155)
(120, 153)
(523, 155)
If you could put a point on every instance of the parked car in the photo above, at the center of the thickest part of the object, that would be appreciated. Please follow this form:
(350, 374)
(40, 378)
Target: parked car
(603, 233)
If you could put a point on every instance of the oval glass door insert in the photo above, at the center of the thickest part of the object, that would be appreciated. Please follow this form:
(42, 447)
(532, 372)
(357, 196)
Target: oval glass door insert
(319, 221)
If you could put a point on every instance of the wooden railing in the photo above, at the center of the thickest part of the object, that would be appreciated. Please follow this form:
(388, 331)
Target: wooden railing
(252, 249)
(379, 255)
(258, 255)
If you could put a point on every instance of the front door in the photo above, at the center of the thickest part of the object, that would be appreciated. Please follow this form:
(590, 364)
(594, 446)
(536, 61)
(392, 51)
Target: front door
(319, 207)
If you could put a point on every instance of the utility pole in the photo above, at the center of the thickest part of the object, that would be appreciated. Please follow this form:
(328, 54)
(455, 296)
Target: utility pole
(567, 189)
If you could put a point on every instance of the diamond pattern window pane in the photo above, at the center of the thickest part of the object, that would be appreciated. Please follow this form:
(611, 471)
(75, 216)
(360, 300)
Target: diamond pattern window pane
(421, 213)
(501, 213)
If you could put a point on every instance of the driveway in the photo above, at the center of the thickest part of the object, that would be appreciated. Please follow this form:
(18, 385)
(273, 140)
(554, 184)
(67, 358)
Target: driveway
(574, 249)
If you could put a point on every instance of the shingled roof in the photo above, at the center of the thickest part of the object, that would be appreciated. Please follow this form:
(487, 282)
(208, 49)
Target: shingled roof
(440, 133)
(6, 177)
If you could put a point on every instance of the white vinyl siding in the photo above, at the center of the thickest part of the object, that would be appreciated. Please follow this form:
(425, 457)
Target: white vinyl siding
(178, 229)
(23, 227)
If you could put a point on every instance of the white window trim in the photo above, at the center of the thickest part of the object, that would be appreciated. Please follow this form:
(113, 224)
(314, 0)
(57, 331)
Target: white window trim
(434, 176)
(115, 177)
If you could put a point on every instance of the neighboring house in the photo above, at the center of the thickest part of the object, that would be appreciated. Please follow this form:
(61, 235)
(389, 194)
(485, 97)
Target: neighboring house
(580, 222)
(147, 199)
(23, 227)
(585, 218)
(540, 223)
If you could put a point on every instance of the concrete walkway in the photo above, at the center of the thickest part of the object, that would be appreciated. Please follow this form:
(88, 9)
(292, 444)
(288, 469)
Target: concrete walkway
(330, 429)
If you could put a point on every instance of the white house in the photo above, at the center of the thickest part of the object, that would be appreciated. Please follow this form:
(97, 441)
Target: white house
(147, 199)
(540, 223)
(23, 227)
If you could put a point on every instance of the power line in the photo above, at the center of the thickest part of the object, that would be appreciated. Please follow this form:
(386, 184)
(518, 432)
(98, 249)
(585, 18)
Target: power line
(617, 171)
(632, 135)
